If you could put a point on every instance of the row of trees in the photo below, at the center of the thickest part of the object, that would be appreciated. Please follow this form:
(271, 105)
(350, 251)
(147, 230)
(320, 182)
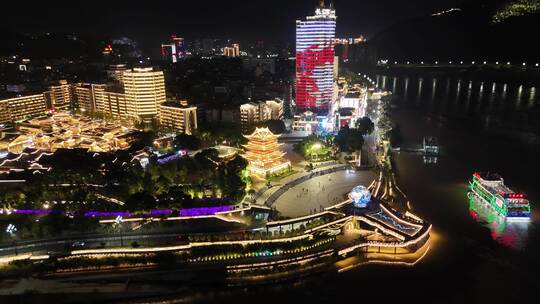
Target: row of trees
(80, 176)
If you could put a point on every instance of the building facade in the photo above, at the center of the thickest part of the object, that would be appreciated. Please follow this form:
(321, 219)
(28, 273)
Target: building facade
(178, 116)
(315, 39)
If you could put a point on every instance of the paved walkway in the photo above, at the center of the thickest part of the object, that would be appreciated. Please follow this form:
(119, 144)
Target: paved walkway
(275, 186)
(319, 192)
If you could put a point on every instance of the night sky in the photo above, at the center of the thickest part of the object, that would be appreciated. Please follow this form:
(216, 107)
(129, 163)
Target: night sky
(240, 19)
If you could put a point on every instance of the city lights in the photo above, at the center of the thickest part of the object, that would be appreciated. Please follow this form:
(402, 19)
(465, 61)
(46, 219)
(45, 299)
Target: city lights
(219, 152)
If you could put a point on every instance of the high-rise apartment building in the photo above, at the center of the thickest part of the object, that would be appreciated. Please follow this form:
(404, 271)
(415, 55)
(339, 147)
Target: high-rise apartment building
(178, 116)
(315, 39)
(116, 72)
(252, 113)
(4, 112)
(145, 91)
(83, 94)
(110, 101)
(60, 97)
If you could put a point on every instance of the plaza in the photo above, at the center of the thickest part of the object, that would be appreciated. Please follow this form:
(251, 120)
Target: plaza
(318, 192)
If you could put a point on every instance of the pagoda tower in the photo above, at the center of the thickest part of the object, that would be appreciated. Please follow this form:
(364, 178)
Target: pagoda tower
(264, 154)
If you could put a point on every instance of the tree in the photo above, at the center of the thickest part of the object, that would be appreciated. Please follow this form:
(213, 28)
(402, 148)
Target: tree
(349, 139)
(208, 158)
(365, 125)
(186, 141)
(141, 201)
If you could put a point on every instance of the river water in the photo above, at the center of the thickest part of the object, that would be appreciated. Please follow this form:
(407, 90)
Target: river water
(481, 125)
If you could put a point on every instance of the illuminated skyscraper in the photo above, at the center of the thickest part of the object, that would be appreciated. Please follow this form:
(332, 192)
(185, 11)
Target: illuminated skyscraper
(315, 38)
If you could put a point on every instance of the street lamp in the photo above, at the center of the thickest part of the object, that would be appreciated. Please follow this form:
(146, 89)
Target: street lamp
(11, 229)
(119, 220)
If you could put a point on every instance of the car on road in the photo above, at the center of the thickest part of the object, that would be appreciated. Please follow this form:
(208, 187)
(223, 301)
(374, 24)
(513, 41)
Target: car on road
(78, 244)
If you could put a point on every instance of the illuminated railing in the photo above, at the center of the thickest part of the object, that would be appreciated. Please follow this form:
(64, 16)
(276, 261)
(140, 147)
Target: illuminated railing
(386, 244)
(186, 247)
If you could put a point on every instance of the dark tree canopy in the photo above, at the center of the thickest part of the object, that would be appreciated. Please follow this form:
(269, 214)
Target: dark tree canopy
(186, 141)
(365, 125)
(349, 140)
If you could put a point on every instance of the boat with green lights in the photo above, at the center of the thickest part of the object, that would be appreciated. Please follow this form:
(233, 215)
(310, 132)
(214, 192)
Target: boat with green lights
(491, 190)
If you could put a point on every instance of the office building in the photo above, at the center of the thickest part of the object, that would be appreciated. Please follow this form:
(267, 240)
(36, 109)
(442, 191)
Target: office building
(315, 38)
(178, 116)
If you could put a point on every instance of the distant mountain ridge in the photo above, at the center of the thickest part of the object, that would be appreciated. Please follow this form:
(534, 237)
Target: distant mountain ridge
(465, 34)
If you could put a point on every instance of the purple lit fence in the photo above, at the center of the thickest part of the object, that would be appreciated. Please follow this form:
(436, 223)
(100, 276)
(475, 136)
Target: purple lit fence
(160, 212)
(157, 212)
(34, 211)
(107, 214)
(204, 210)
